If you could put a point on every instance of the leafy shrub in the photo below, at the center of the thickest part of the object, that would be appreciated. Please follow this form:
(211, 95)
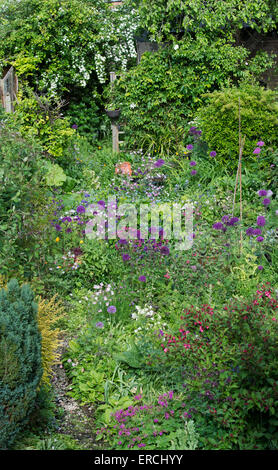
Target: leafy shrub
(160, 95)
(86, 113)
(20, 359)
(162, 425)
(22, 195)
(40, 117)
(258, 109)
(230, 371)
(49, 312)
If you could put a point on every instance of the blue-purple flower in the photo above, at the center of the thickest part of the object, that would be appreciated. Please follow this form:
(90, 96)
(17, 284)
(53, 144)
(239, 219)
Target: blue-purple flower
(165, 250)
(159, 163)
(111, 309)
(261, 221)
(218, 226)
(262, 192)
(80, 210)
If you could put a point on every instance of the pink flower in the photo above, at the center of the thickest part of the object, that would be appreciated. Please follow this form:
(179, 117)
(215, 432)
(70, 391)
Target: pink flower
(167, 275)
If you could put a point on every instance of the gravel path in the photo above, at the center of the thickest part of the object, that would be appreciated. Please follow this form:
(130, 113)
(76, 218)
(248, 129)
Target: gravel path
(77, 421)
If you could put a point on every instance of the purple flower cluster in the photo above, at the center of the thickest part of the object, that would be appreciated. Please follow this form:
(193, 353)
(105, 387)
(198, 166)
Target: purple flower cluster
(263, 193)
(141, 425)
(226, 220)
(194, 131)
(258, 149)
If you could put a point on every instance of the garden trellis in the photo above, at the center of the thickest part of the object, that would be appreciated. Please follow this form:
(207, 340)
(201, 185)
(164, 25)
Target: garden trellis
(8, 90)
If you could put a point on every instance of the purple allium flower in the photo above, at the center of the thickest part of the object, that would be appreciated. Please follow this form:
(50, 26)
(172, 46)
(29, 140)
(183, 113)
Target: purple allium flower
(260, 143)
(126, 257)
(58, 227)
(260, 239)
(193, 172)
(189, 147)
(101, 203)
(260, 268)
(213, 153)
(192, 163)
(142, 278)
(266, 202)
(80, 210)
(218, 226)
(99, 324)
(159, 163)
(257, 151)
(233, 221)
(262, 192)
(261, 221)
(69, 230)
(257, 231)
(165, 250)
(225, 219)
(74, 126)
(111, 309)
(122, 241)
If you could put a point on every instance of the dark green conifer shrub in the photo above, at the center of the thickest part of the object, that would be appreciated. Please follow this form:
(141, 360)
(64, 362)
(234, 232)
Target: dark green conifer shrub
(20, 359)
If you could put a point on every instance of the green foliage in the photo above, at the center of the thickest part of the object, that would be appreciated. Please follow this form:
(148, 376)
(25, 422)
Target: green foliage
(20, 359)
(51, 44)
(55, 175)
(166, 19)
(40, 117)
(159, 96)
(22, 196)
(86, 112)
(258, 114)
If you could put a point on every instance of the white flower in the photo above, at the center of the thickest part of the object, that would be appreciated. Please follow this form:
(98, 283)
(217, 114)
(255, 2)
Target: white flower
(176, 46)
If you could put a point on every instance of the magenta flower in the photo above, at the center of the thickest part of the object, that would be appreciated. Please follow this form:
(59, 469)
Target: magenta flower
(260, 268)
(192, 163)
(126, 257)
(189, 147)
(193, 172)
(266, 202)
(260, 239)
(213, 153)
(142, 278)
(257, 151)
(260, 143)
(99, 324)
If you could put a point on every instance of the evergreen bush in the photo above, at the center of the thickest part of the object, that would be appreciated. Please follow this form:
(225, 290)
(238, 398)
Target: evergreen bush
(20, 359)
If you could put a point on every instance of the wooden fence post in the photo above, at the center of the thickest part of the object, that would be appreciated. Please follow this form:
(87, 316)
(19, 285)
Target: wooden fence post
(114, 126)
